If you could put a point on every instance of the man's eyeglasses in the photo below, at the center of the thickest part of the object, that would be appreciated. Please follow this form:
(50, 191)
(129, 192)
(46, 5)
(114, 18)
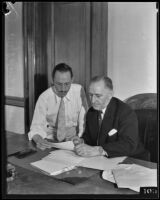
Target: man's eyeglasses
(62, 84)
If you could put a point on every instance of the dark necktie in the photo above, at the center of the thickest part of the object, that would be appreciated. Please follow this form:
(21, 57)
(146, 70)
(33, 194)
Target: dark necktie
(99, 124)
(61, 125)
(99, 118)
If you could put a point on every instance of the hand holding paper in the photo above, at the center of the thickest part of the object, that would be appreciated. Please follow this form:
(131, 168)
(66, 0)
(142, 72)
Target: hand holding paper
(64, 145)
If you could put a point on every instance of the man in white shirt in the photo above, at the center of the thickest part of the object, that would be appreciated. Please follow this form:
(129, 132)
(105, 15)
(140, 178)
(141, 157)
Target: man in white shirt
(44, 123)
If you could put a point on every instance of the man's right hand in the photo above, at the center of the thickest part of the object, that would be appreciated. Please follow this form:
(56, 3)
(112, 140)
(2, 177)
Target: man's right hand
(41, 143)
(77, 140)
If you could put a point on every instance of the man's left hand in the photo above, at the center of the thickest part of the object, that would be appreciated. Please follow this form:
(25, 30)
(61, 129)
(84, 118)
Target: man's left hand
(86, 150)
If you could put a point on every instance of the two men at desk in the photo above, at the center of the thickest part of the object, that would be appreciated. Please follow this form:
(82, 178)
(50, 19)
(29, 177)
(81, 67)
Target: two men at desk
(108, 128)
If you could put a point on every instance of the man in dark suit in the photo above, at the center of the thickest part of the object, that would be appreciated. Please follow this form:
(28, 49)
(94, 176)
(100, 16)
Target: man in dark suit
(111, 125)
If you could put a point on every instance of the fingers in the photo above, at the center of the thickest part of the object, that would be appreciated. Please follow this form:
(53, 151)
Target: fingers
(40, 142)
(76, 140)
(80, 150)
(84, 150)
(43, 144)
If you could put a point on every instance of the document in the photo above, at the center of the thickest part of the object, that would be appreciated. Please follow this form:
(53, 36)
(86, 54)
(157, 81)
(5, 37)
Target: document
(64, 145)
(108, 175)
(52, 168)
(132, 175)
(101, 162)
(64, 156)
(60, 160)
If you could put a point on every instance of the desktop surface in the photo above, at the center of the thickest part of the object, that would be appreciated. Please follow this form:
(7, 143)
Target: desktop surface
(30, 180)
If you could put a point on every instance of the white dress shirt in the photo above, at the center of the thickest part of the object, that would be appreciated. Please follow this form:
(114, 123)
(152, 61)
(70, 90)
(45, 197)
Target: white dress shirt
(103, 112)
(46, 109)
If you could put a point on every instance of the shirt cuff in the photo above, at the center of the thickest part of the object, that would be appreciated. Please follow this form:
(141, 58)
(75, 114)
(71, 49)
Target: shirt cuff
(32, 133)
(102, 151)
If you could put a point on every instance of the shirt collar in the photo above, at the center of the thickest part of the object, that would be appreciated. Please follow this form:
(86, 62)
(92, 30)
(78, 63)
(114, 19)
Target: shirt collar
(103, 110)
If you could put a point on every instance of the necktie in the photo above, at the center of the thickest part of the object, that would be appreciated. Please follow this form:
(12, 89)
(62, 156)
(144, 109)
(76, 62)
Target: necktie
(99, 118)
(61, 127)
(99, 124)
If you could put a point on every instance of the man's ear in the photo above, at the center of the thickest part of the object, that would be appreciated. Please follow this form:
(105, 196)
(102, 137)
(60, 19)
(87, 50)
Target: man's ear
(111, 94)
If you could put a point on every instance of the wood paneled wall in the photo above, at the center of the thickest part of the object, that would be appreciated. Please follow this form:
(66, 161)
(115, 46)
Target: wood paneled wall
(99, 21)
(72, 38)
(71, 32)
(80, 38)
(37, 50)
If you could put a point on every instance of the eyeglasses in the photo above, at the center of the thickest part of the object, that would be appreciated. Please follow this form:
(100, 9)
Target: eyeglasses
(62, 84)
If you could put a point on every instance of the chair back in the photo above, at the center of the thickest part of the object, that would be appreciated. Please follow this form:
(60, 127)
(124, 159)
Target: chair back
(145, 107)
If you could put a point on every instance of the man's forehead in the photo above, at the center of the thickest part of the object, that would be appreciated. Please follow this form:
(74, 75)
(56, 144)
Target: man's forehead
(97, 85)
(62, 76)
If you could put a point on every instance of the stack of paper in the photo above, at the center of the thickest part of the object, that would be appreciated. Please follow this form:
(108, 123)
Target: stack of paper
(52, 168)
(101, 162)
(60, 161)
(64, 156)
(132, 176)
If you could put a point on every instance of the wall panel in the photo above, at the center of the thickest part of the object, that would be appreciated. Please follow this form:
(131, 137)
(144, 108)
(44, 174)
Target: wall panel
(71, 37)
(14, 119)
(14, 85)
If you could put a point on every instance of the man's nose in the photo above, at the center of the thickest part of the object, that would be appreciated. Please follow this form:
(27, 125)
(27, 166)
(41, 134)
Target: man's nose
(93, 99)
(63, 88)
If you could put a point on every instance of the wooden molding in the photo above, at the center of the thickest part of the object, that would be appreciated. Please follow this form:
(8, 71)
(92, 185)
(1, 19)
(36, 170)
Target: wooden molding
(14, 101)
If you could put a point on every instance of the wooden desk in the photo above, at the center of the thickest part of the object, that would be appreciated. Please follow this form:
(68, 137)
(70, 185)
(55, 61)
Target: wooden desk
(31, 181)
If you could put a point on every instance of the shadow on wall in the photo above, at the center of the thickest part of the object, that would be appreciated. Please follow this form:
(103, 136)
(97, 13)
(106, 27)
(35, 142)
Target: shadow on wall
(41, 84)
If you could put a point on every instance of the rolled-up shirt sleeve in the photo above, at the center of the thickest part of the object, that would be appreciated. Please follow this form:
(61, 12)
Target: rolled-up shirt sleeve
(39, 119)
(82, 113)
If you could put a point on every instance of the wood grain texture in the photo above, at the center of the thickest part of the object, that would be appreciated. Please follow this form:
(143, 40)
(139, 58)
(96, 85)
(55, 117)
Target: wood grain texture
(99, 38)
(71, 32)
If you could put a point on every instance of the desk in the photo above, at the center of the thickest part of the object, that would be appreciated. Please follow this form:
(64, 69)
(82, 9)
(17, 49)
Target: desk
(32, 181)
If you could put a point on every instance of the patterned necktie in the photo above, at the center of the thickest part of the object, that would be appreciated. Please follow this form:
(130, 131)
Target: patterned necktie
(61, 126)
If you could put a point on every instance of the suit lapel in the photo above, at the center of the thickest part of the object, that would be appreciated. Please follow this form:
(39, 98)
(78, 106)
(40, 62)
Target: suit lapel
(108, 121)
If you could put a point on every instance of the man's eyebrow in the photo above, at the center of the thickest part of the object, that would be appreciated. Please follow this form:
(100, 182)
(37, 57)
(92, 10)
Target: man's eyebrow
(63, 83)
(94, 94)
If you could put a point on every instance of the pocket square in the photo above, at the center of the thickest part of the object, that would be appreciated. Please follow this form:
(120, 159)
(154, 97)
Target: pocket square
(112, 132)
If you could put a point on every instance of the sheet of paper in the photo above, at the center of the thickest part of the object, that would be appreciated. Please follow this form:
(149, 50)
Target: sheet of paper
(133, 175)
(64, 145)
(52, 168)
(64, 156)
(101, 162)
(108, 175)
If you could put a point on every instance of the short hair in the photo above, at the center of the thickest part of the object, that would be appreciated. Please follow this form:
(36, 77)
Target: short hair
(107, 81)
(62, 67)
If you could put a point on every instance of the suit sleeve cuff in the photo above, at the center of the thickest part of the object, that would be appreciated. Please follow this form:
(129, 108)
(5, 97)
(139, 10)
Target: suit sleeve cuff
(102, 151)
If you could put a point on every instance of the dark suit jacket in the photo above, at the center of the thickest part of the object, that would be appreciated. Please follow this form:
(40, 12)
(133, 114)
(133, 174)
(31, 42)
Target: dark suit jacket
(118, 116)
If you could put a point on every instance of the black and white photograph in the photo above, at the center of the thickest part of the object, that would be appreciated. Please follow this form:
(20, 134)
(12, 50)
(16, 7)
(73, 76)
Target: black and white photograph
(80, 100)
